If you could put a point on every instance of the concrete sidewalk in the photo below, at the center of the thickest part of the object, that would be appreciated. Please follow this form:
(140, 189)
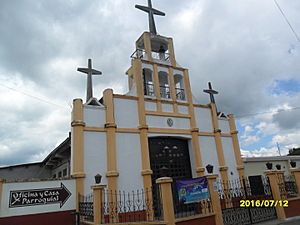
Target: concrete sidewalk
(289, 221)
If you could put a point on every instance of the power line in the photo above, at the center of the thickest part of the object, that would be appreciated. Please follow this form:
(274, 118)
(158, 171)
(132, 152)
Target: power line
(35, 97)
(267, 112)
(286, 19)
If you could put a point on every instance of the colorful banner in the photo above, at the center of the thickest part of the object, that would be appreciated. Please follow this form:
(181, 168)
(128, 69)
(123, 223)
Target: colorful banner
(192, 190)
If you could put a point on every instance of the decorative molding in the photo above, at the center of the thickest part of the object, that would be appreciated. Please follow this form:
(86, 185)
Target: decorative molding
(146, 172)
(76, 123)
(112, 173)
(223, 168)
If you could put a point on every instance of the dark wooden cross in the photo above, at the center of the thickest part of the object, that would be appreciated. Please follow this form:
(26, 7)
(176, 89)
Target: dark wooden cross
(151, 12)
(211, 93)
(89, 71)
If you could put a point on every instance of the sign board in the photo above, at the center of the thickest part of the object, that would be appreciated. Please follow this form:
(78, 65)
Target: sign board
(33, 197)
(192, 190)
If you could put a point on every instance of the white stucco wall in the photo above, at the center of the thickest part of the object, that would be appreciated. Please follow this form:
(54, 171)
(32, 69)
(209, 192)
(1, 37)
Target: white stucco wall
(192, 158)
(94, 116)
(161, 122)
(258, 168)
(95, 158)
(150, 106)
(203, 119)
(208, 152)
(229, 158)
(183, 109)
(5, 211)
(167, 107)
(147, 66)
(126, 113)
(162, 68)
(224, 125)
(129, 161)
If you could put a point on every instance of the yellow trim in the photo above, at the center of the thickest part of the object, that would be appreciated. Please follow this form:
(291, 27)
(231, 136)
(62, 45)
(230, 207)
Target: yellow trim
(110, 140)
(127, 130)
(215, 201)
(166, 199)
(164, 65)
(112, 174)
(126, 97)
(172, 89)
(147, 44)
(272, 175)
(179, 115)
(225, 135)
(95, 129)
(146, 172)
(236, 146)
(296, 173)
(137, 70)
(218, 141)
(168, 130)
(171, 52)
(183, 103)
(202, 133)
(194, 129)
(156, 88)
(98, 194)
(77, 145)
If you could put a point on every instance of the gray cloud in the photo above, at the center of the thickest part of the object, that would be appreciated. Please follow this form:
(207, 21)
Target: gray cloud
(240, 47)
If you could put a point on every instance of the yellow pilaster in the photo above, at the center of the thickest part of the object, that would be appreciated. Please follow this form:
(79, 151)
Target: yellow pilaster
(77, 145)
(98, 198)
(147, 43)
(218, 140)
(172, 52)
(157, 88)
(273, 178)
(194, 129)
(296, 174)
(172, 90)
(146, 168)
(236, 146)
(215, 201)
(112, 173)
(167, 199)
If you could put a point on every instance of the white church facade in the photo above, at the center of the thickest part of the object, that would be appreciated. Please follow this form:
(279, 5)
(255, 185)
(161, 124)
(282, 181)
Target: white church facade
(155, 129)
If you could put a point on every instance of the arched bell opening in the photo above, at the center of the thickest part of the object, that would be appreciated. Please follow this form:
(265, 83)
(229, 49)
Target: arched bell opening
(179, 87)
(164, 86)
(148, 82)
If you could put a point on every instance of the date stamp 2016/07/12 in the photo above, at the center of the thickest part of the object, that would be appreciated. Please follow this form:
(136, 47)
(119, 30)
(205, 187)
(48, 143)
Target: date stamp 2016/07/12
(264, 203)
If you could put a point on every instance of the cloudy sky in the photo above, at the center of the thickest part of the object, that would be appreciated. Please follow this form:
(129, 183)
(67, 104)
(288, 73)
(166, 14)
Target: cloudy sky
(245, 48)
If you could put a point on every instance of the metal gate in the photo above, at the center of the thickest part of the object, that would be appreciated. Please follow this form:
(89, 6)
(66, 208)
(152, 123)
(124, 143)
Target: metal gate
(169, 157)
(241, 201)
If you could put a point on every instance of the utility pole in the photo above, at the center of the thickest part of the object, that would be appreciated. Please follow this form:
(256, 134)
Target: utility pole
(278, 147)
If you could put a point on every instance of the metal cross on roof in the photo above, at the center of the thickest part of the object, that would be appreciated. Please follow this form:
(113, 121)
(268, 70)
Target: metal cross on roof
(211, 92)
(151, 12)
(89, 71)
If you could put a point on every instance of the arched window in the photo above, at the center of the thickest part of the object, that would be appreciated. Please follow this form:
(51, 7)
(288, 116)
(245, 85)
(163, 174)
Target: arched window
(148, 82)
(179, 87)
(164, 86)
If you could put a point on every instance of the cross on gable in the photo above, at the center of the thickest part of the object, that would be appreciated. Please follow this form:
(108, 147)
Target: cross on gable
(151, 12)
(89, 71)
(211, 93)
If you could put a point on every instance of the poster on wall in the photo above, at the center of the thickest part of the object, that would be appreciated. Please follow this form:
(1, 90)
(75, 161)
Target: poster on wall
(192, 190)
